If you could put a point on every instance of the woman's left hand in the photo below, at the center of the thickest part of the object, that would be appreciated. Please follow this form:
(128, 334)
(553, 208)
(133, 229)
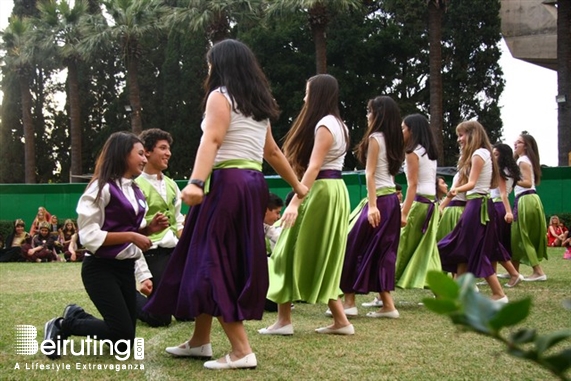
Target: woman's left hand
(289, 217)
(192, 195)
(509, 218)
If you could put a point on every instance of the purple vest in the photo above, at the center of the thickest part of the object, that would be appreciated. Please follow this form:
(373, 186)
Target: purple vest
(121, 217)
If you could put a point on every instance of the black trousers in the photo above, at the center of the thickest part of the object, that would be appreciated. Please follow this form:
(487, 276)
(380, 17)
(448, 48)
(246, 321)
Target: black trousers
(157, 260)
(109, 284)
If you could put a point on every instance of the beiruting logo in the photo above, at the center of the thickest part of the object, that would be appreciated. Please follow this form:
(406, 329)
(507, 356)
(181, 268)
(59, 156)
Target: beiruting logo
(26, 344)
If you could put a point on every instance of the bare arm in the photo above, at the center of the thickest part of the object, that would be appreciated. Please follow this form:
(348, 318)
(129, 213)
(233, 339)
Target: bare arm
(412, 165)
(278, 161)
(504, 195)
(477, 165)
(217, 122)
(526, 175)
(374, 215)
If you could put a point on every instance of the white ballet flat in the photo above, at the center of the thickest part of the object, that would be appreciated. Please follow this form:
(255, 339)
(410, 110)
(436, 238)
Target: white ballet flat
(203, 352)
(246, 362)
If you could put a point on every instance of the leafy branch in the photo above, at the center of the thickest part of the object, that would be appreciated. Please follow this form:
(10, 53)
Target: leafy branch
(475, 312)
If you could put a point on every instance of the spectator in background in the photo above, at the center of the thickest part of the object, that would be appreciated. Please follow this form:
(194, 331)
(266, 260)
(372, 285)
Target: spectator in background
(272, 233)
(41, 216)
(42, 246)
(557, 233)
(12, 251)
(66, 233)
(75, 250)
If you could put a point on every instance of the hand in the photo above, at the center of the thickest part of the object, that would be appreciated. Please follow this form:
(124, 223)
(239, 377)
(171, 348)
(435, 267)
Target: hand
(374, 216)
(73, 257)
(509, 218)
(141, 241)
(158, 223)
(146, 287)
(288, 217)
(301, 190)
(403, 218)
(192, 195)
(453, 192)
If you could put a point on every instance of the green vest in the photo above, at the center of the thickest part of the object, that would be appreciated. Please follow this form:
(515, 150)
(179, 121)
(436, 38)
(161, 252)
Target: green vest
(158, 204)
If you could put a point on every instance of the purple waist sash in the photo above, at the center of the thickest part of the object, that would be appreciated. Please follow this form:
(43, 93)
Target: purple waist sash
(456, 203)
(425, 200)
(531, 191)
(329, 174)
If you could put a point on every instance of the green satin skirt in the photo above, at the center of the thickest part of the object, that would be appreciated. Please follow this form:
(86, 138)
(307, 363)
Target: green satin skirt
(529, 240)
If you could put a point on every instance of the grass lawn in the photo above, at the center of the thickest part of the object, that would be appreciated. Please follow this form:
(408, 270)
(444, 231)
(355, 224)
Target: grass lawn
(419, 346)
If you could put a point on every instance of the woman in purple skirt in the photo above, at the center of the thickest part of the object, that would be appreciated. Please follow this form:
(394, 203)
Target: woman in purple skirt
(374, 235)
(509, 174)
(219, 267)
(469, 246)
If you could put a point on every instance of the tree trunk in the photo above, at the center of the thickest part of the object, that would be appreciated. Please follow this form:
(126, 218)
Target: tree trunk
(435, 77)
(564, 80)
(75, 122)
(320, 42)
(134, 98)
(30, 146)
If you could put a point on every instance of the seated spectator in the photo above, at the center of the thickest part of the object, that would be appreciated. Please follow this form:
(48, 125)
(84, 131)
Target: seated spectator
(275, 205)
(41, 216)
(556, 235)
(12, 250)
(42, 246)
(75, 251)
(66, 232)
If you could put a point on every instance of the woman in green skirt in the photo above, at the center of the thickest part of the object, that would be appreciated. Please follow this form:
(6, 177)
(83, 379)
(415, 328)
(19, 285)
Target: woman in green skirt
(529, 242)
(308, 258)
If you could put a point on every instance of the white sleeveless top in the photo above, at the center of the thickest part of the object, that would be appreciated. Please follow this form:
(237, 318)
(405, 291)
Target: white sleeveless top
(245, 137)
(335, 158)
(485, 179)
(383, 178)
(460, 196)
(426, 172)
(518, 189)
(495, 193)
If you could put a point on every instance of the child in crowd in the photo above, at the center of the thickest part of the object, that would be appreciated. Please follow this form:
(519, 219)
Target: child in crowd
(42, 246)
(12, 252)
(272, 232)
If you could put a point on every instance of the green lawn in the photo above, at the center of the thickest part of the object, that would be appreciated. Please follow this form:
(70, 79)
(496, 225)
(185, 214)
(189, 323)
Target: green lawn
(419, 346)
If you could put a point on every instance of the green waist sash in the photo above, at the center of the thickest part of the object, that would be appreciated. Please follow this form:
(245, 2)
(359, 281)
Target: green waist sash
(380, 192)
(234, 163)
(484, 216)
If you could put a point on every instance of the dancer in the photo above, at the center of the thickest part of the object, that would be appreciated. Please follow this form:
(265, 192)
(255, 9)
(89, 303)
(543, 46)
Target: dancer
(529, 241)
(373, 239)
(219, 267)
(469, 246)
(308, 258)
(509, 173)
(111, 225)
(417, 252)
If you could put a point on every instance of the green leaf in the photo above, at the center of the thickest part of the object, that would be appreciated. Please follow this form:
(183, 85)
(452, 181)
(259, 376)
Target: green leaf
(543, 343)
(479, 310)
(523, 336)
(441, 306)
(511, 314)
(559, 362)
(442, 285)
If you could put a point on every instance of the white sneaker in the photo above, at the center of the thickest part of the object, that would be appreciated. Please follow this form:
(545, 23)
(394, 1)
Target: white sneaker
(375, 303)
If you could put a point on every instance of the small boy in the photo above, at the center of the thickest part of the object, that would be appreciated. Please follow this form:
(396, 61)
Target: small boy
(272, 233)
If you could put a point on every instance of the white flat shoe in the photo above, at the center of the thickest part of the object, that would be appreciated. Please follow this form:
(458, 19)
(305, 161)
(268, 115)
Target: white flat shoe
(540, 278)
(503, 300)
(246, 362)
(391, 314)
(519, 278)
(504, 276)
(349, 312)
(347, 330)
(375, 303)
(203, 352)
(286, 330)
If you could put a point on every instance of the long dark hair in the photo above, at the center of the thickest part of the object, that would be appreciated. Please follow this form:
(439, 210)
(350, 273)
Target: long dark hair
(507, 163)
(532, 152)
(234, 66)
(111, 163)
(420, 134)
(385, 118)
(322, 99)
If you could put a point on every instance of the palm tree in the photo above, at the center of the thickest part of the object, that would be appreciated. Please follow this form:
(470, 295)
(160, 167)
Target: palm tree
(19, 59)
(319, 14)
(564, 80)
(131, 21)
(61, 31)
(436, 8)
(214, 17)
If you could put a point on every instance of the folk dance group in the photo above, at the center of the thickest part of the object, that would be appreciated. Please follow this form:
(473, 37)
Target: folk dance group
(219, 267)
